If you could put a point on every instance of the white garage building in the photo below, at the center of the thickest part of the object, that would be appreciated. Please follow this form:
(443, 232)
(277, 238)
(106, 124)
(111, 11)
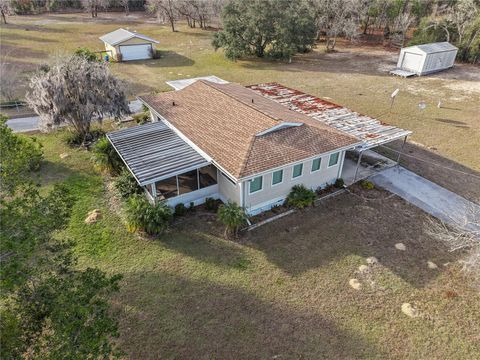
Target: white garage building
(126, 45)
(425, 59)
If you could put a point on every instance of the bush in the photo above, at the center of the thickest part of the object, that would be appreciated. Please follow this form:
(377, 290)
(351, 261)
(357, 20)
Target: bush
(339, 183)
(211, 204)
(367, 185)
(300, 197)
(232, 216)
(126, 184)
(86, 53)
(180, 210)
(106, 157)
(76, 139)
(142, 215)
(141, 118)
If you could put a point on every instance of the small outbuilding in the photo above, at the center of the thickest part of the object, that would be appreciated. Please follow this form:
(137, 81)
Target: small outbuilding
(125, 45)
(427, 58)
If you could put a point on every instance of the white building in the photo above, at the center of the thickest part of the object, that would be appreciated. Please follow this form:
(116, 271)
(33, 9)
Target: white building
(427, 58)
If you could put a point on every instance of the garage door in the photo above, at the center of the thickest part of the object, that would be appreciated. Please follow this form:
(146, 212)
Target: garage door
(135, 52)
(412, 62)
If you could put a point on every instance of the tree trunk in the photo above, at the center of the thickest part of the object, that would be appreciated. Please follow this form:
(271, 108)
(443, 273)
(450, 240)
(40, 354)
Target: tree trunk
(127, 9)
(172, 23)
(366, 26)
(4, 17)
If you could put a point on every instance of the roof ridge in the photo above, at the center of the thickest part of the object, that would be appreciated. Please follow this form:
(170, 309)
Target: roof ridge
(210, 84)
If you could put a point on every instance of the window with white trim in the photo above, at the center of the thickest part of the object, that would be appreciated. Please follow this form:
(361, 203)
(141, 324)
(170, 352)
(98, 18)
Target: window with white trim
(333, 159)
(277, 177)
(256, 184)
(316, 164)
(297, 171)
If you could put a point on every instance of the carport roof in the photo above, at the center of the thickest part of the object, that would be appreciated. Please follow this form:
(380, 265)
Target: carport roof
(371, 131)
(121, 35)
(154, 152)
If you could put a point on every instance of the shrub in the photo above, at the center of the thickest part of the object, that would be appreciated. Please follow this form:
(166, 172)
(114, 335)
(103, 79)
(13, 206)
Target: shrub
(339, 183)
(142, 215)
(126, 184)
(180, 209)
(232, 216)
(367, 185)
(86, 53)
(106, 157)
(141, 118)
(191, 207)
(300, 197)
(76, 139)
(211, 204)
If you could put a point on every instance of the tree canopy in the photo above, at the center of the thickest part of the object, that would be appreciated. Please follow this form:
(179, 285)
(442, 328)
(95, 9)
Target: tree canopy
(50, 309)
(76, 91)
(277, 28)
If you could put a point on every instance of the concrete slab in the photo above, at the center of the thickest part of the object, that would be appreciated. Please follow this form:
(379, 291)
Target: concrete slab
(402, 73)
(430, 197)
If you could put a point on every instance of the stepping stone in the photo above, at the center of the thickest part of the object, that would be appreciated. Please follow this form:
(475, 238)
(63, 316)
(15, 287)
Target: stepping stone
(363, 268)
(354, 283)
(64, 155)
(93, 216)
(372, 260)
(432, 265)
(409, 310)
(400, 246)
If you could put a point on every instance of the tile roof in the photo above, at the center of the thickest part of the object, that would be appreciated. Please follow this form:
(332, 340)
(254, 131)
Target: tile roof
(224, 120)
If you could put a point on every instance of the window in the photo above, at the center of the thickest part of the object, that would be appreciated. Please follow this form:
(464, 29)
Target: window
(297, 170)
(316, 164)
(207, 176)
(167, 188)
(256, 184)
(277, 177)
(333, 159)
(187, 182)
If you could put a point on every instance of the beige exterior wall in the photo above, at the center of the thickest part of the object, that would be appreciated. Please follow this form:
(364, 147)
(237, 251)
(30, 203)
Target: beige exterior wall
(228, 191)
(276, 194)
(113, 50)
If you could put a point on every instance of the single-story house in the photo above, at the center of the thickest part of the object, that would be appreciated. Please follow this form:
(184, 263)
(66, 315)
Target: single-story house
(427, 58)
(236, 143)
(125, 45)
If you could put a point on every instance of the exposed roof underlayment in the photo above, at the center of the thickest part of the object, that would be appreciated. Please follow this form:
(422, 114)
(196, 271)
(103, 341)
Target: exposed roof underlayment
(371, 131)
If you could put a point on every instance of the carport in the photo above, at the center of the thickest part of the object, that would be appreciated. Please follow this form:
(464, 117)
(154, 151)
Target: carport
(372, 132)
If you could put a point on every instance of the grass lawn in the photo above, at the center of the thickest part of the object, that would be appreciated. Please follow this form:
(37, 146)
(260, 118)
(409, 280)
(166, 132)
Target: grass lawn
(355, 76)
(282, 290)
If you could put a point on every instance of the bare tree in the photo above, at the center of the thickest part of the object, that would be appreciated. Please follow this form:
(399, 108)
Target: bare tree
(9, 80)
(165, 8)
(337, 18)
(76, 91)
(5, 9)
(93, 6)
(461, 16)
(126, 6)
(461, 235)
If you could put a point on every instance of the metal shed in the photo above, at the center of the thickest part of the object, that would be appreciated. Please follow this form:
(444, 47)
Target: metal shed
(427, 58)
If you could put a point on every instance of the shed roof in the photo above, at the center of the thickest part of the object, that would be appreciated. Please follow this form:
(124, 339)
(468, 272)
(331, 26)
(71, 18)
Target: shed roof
(121, 35)
(154, 152)
(434, 47)
(371, 131)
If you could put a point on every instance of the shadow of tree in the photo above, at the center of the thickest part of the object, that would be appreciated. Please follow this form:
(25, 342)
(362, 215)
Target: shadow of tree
(188, 319)
(348, 225)
(170, 58)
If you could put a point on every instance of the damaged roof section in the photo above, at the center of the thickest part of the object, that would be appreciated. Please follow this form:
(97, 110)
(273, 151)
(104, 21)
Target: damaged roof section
(371, 131)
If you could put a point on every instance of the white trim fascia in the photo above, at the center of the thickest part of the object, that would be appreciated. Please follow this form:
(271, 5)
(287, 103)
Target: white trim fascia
(279, 127)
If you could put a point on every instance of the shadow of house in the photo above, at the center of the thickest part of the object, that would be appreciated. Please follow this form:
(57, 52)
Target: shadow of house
(348, 225)
(188, 319)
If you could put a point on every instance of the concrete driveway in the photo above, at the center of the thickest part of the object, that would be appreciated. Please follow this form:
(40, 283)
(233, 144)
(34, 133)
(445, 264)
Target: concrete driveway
(430, 197)
(27, 124)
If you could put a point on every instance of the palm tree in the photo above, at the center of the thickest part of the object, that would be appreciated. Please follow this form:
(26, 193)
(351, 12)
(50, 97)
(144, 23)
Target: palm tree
(232, 216)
